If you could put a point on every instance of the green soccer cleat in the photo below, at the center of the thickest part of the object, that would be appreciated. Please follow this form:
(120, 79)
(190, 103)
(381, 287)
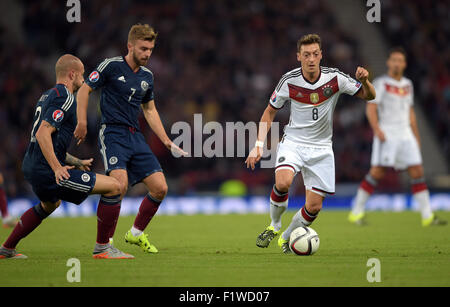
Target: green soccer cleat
(264, 238)
(141, 241)
(433, 221)
(357, 219)
(284, 245)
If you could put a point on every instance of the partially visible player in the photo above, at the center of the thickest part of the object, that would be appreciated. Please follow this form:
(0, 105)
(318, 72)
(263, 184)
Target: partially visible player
(126, 89)
(51, 170)
(7, 220)
(396, 140)
(306, 147)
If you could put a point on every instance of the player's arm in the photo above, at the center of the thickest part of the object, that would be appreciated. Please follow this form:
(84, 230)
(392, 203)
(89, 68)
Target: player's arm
(154, 121)
(367, 91)
(84, 165)
(82, 106)
(264, 125)
(372, 117)
(44, 139)
(413, 122)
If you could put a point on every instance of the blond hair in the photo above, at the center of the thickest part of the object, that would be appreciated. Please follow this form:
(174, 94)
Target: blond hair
(141, 32)
(309, 39)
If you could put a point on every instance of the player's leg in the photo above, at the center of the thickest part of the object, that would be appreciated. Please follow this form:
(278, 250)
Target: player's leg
(319, 179)
(365, 190)
(112, 188)
(29, 221)
(422, 196)
(108, 209)
(278, 204)
(157, 190)
(8, 221)
(304, 217)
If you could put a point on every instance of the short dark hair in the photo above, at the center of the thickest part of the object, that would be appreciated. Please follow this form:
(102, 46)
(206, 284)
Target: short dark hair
(397, 49)
(309, 39)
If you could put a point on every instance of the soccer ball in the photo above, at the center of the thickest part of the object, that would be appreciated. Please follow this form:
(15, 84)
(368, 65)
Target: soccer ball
(304, 241)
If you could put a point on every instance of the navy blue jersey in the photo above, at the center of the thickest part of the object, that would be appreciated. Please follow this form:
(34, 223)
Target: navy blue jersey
(57, 106)
(123, 91)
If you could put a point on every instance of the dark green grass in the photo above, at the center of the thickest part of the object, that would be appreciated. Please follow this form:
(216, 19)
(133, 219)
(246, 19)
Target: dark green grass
(220, 250)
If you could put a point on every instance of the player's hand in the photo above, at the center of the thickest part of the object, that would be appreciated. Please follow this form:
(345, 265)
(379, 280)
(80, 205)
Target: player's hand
(176, 151)
(380, 135)
(361, 74)
(253, 157)
(80, 132)
(62, 173)
(85, 165)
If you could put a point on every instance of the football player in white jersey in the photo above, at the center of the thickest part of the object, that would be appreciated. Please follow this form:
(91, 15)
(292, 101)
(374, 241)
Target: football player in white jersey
(396, 140)
(306, 147)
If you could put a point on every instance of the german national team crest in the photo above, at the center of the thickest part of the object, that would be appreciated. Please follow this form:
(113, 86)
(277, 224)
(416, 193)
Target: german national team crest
(327, 91)
(144, 86)
(94, 76)
(58, 116)
(314, 97)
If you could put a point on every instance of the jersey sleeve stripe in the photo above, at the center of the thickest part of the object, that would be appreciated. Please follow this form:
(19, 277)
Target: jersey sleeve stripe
(105, 63)
(66, 106)
(288, 76)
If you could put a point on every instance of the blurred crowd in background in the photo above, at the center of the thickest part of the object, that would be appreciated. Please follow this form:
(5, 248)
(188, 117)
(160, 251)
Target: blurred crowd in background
(219, 58)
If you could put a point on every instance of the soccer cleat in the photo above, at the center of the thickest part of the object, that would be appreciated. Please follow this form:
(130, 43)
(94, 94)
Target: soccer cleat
(357, 219)
(107, 251)
(433, 221)
(284, 245)
(9, 222)
(141, 241)
(6, 253)
(264, 238)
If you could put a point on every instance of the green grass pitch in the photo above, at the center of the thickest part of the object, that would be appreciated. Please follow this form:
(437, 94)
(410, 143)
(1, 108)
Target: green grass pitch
(220, 250)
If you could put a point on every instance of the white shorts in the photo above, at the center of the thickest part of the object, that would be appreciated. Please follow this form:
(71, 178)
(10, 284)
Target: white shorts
(396, 153)
(315, 163)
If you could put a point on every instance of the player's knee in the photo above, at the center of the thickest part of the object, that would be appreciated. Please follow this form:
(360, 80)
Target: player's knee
(160, 191)
(416, 172)
(314, 207)
(115, 188)
(377, 173)
(50, 207)
(283, 185)
(123, 188)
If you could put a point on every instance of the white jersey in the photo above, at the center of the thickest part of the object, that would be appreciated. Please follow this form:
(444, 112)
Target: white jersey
(394, 101)
(312, 104)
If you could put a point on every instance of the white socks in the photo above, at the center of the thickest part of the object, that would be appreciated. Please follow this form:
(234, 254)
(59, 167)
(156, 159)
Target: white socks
(135, 232)
(278, 204)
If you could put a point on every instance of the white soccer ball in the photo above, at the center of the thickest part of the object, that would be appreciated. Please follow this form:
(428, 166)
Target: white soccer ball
(304, 241)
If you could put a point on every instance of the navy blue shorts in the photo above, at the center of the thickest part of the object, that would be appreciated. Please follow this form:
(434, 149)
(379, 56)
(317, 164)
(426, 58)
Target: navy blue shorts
(125, 148)
(75, 189)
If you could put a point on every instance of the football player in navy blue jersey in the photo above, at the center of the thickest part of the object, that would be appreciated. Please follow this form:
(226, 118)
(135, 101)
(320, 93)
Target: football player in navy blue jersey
(54, 174)
(127, 88)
